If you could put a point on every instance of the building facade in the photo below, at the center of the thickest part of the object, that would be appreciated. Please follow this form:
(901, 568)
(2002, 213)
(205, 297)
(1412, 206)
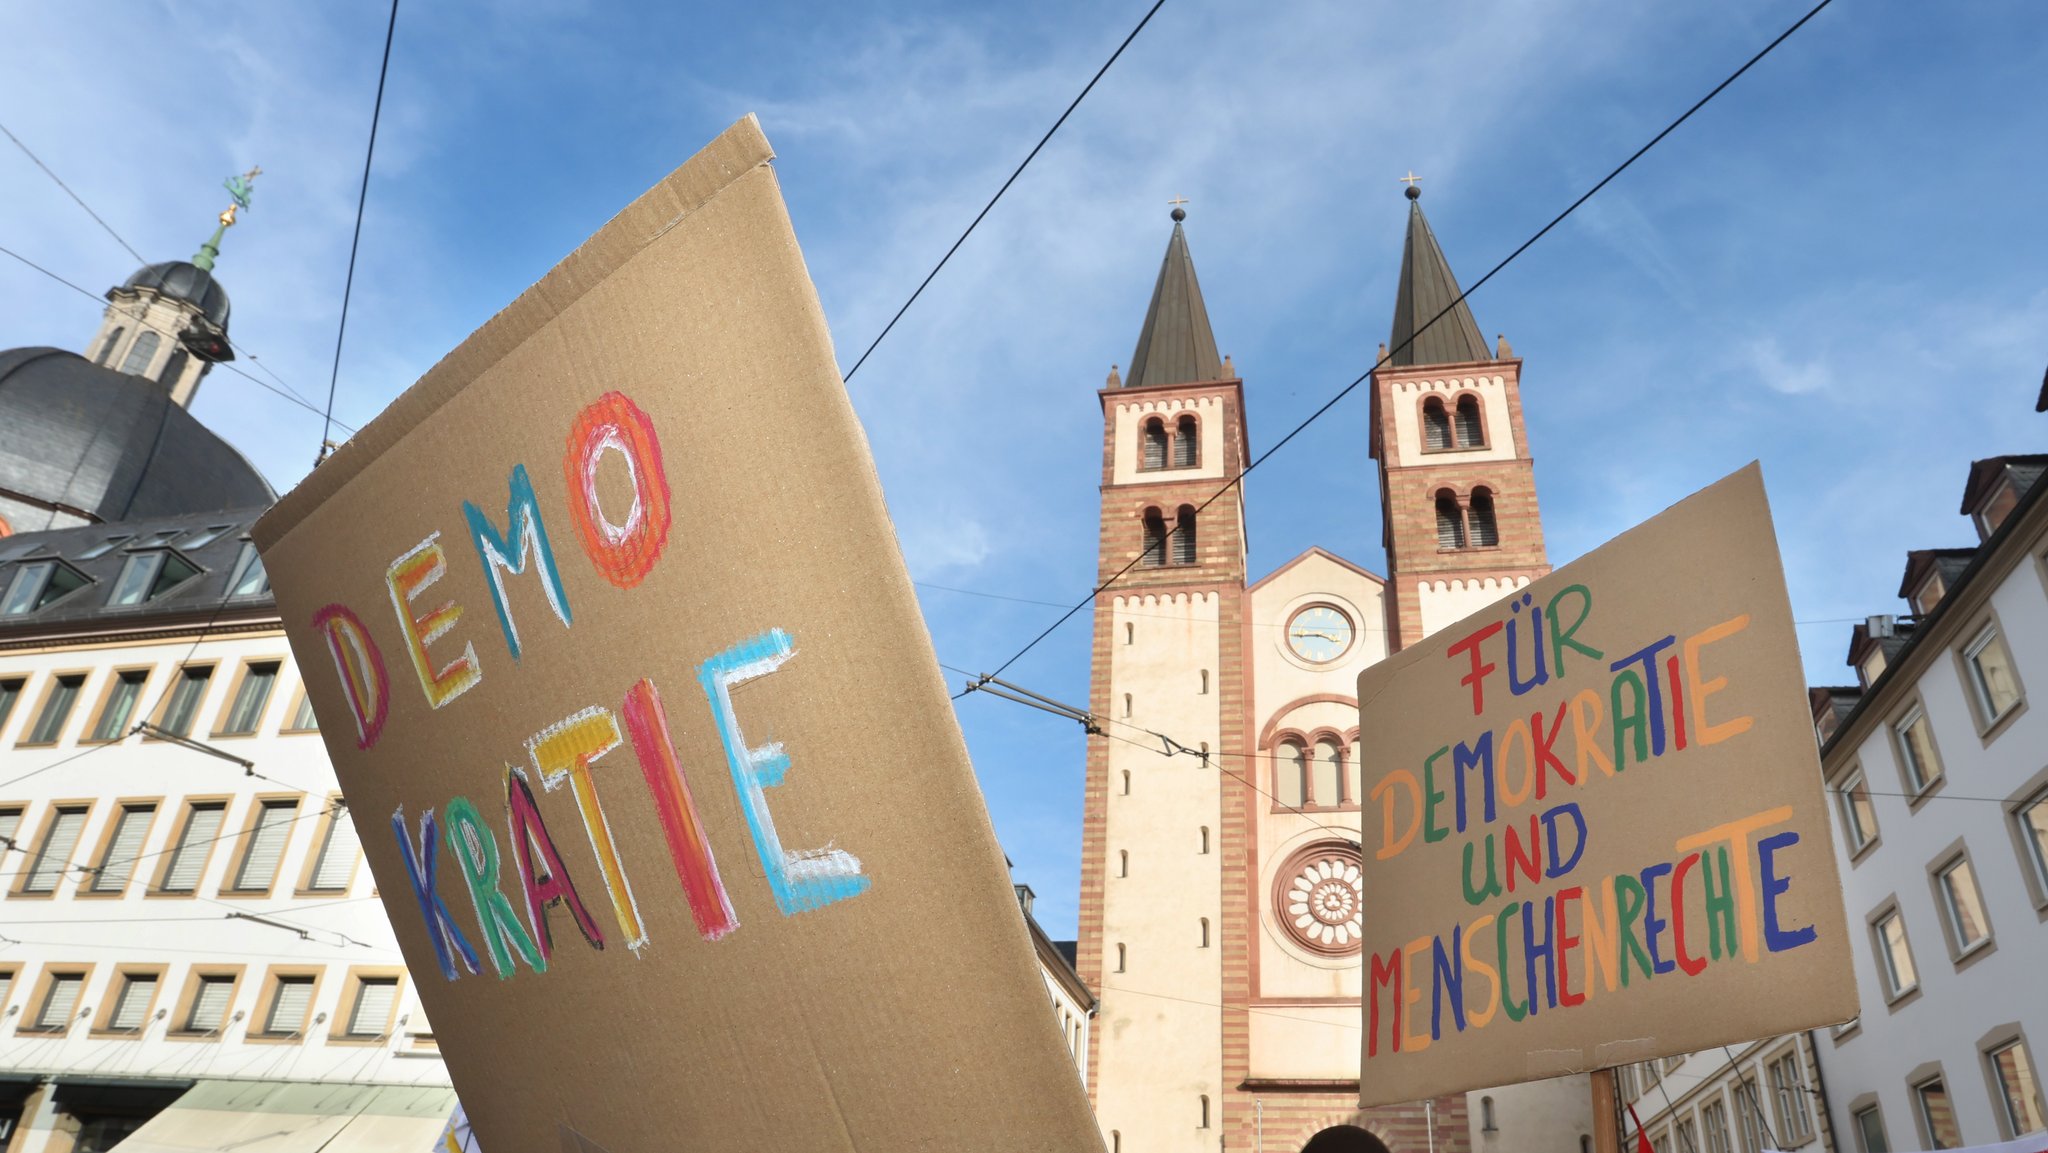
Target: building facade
(192, 952)
(1221, 899)
(1936, 763)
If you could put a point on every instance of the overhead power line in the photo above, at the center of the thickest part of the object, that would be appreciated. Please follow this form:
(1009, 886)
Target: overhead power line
(1362, 377)
(293, 397)
(362, 198)
(75, 198)
(1005, 188)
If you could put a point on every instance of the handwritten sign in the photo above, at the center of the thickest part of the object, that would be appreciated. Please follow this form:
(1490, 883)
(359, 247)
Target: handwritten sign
(624, 680)
(1595, 830)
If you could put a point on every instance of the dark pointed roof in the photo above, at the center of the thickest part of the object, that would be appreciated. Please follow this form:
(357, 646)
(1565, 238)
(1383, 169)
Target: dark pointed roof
(1427, 286)
(1176, 345)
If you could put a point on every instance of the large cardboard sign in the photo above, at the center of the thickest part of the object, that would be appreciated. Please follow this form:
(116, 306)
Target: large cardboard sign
(622, 675)
(1595, 830)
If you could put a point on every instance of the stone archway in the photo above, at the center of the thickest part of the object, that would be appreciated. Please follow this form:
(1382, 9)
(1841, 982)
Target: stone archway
(1344, 1139)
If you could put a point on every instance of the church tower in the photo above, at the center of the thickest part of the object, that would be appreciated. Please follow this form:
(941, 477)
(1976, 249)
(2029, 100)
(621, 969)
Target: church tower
(1167, 657)
(1457, 482)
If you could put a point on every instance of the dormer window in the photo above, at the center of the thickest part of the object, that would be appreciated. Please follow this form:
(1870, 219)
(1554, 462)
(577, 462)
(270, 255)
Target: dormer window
(249, 577)
(149, 575)
(1997, 506)
(104, 547)
(37, 583)
(200, 538)
(1929, 594)
(1871, 666)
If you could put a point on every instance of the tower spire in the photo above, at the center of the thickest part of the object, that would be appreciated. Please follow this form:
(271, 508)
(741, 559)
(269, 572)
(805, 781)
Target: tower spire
(1426, 288)
(1176, 345)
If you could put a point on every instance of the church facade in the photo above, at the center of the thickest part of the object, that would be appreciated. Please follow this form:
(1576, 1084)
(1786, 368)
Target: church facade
(1221, 901)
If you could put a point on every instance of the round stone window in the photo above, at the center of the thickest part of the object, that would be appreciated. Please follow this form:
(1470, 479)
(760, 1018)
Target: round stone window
(1319, 898)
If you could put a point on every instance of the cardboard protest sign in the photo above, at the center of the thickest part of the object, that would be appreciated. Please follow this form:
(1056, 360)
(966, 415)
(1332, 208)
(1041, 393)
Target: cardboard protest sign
(623, 677)
(1595, 830)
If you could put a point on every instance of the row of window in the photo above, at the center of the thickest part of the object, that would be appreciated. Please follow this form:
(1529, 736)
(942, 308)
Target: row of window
(264, 832)
(134, 997)
(1790, 1123)
(1964, 922)
(1179, 449)
(1466, 524)
(152, 570)
(1452, 428)
(1324, 779)
(2015, 1086)
(115, 712)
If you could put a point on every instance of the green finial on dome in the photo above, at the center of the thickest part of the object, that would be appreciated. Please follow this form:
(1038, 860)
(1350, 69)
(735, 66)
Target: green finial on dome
(240, 188)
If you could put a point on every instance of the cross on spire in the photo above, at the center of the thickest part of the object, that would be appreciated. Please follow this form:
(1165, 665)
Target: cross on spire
(1411, 180)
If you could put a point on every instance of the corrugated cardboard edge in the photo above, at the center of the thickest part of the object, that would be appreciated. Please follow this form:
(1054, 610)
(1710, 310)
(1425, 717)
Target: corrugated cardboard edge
(737, 151)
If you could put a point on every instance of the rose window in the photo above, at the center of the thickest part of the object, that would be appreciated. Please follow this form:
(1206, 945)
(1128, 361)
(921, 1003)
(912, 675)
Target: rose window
(1321, 898)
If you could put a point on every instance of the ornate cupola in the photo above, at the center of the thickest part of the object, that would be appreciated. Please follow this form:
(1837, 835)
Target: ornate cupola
(169, 321)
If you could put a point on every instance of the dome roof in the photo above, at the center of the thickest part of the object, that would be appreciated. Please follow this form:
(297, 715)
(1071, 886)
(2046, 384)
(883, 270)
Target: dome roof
(185, 281)
(111, 445)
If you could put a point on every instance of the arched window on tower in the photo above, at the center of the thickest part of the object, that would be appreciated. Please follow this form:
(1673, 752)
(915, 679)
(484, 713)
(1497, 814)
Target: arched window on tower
(141, 353)
(1155, 444)
(1436, 424)
(1290, 770)
(1450, 521)
(1123, 862)
(1205, 932)
(1155, 538)
(1119, 958)
(1204, 850)
(1485, 533)
(175, 368)
(1184, 535)
(1185, 451)
(1205, 1112)
(1325, 773)
(107, 347)
(1486, 1115)
(1471, 430)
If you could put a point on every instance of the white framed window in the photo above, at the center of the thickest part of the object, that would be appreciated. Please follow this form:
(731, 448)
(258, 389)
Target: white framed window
(1714, 1126)
(1859, 817)
(291, 999)
(56, 711)
(335, 867)
(370, 1016)
(53, 856)
(210, 1001)
(2019, 1089)
(268, 835)
(59, 1000)
(194, 847)
(117, 864)
(1962, 905)
(1914, 739)
(122, 697)
(1894, 954)
(188, 692)
(1788, 1096)
(1994, 683)
(132, 1003)
(1749, 1116)
(252, 695)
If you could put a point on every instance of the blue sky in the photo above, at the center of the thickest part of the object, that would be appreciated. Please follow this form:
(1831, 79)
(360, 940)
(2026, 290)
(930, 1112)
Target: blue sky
(1836, 268)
